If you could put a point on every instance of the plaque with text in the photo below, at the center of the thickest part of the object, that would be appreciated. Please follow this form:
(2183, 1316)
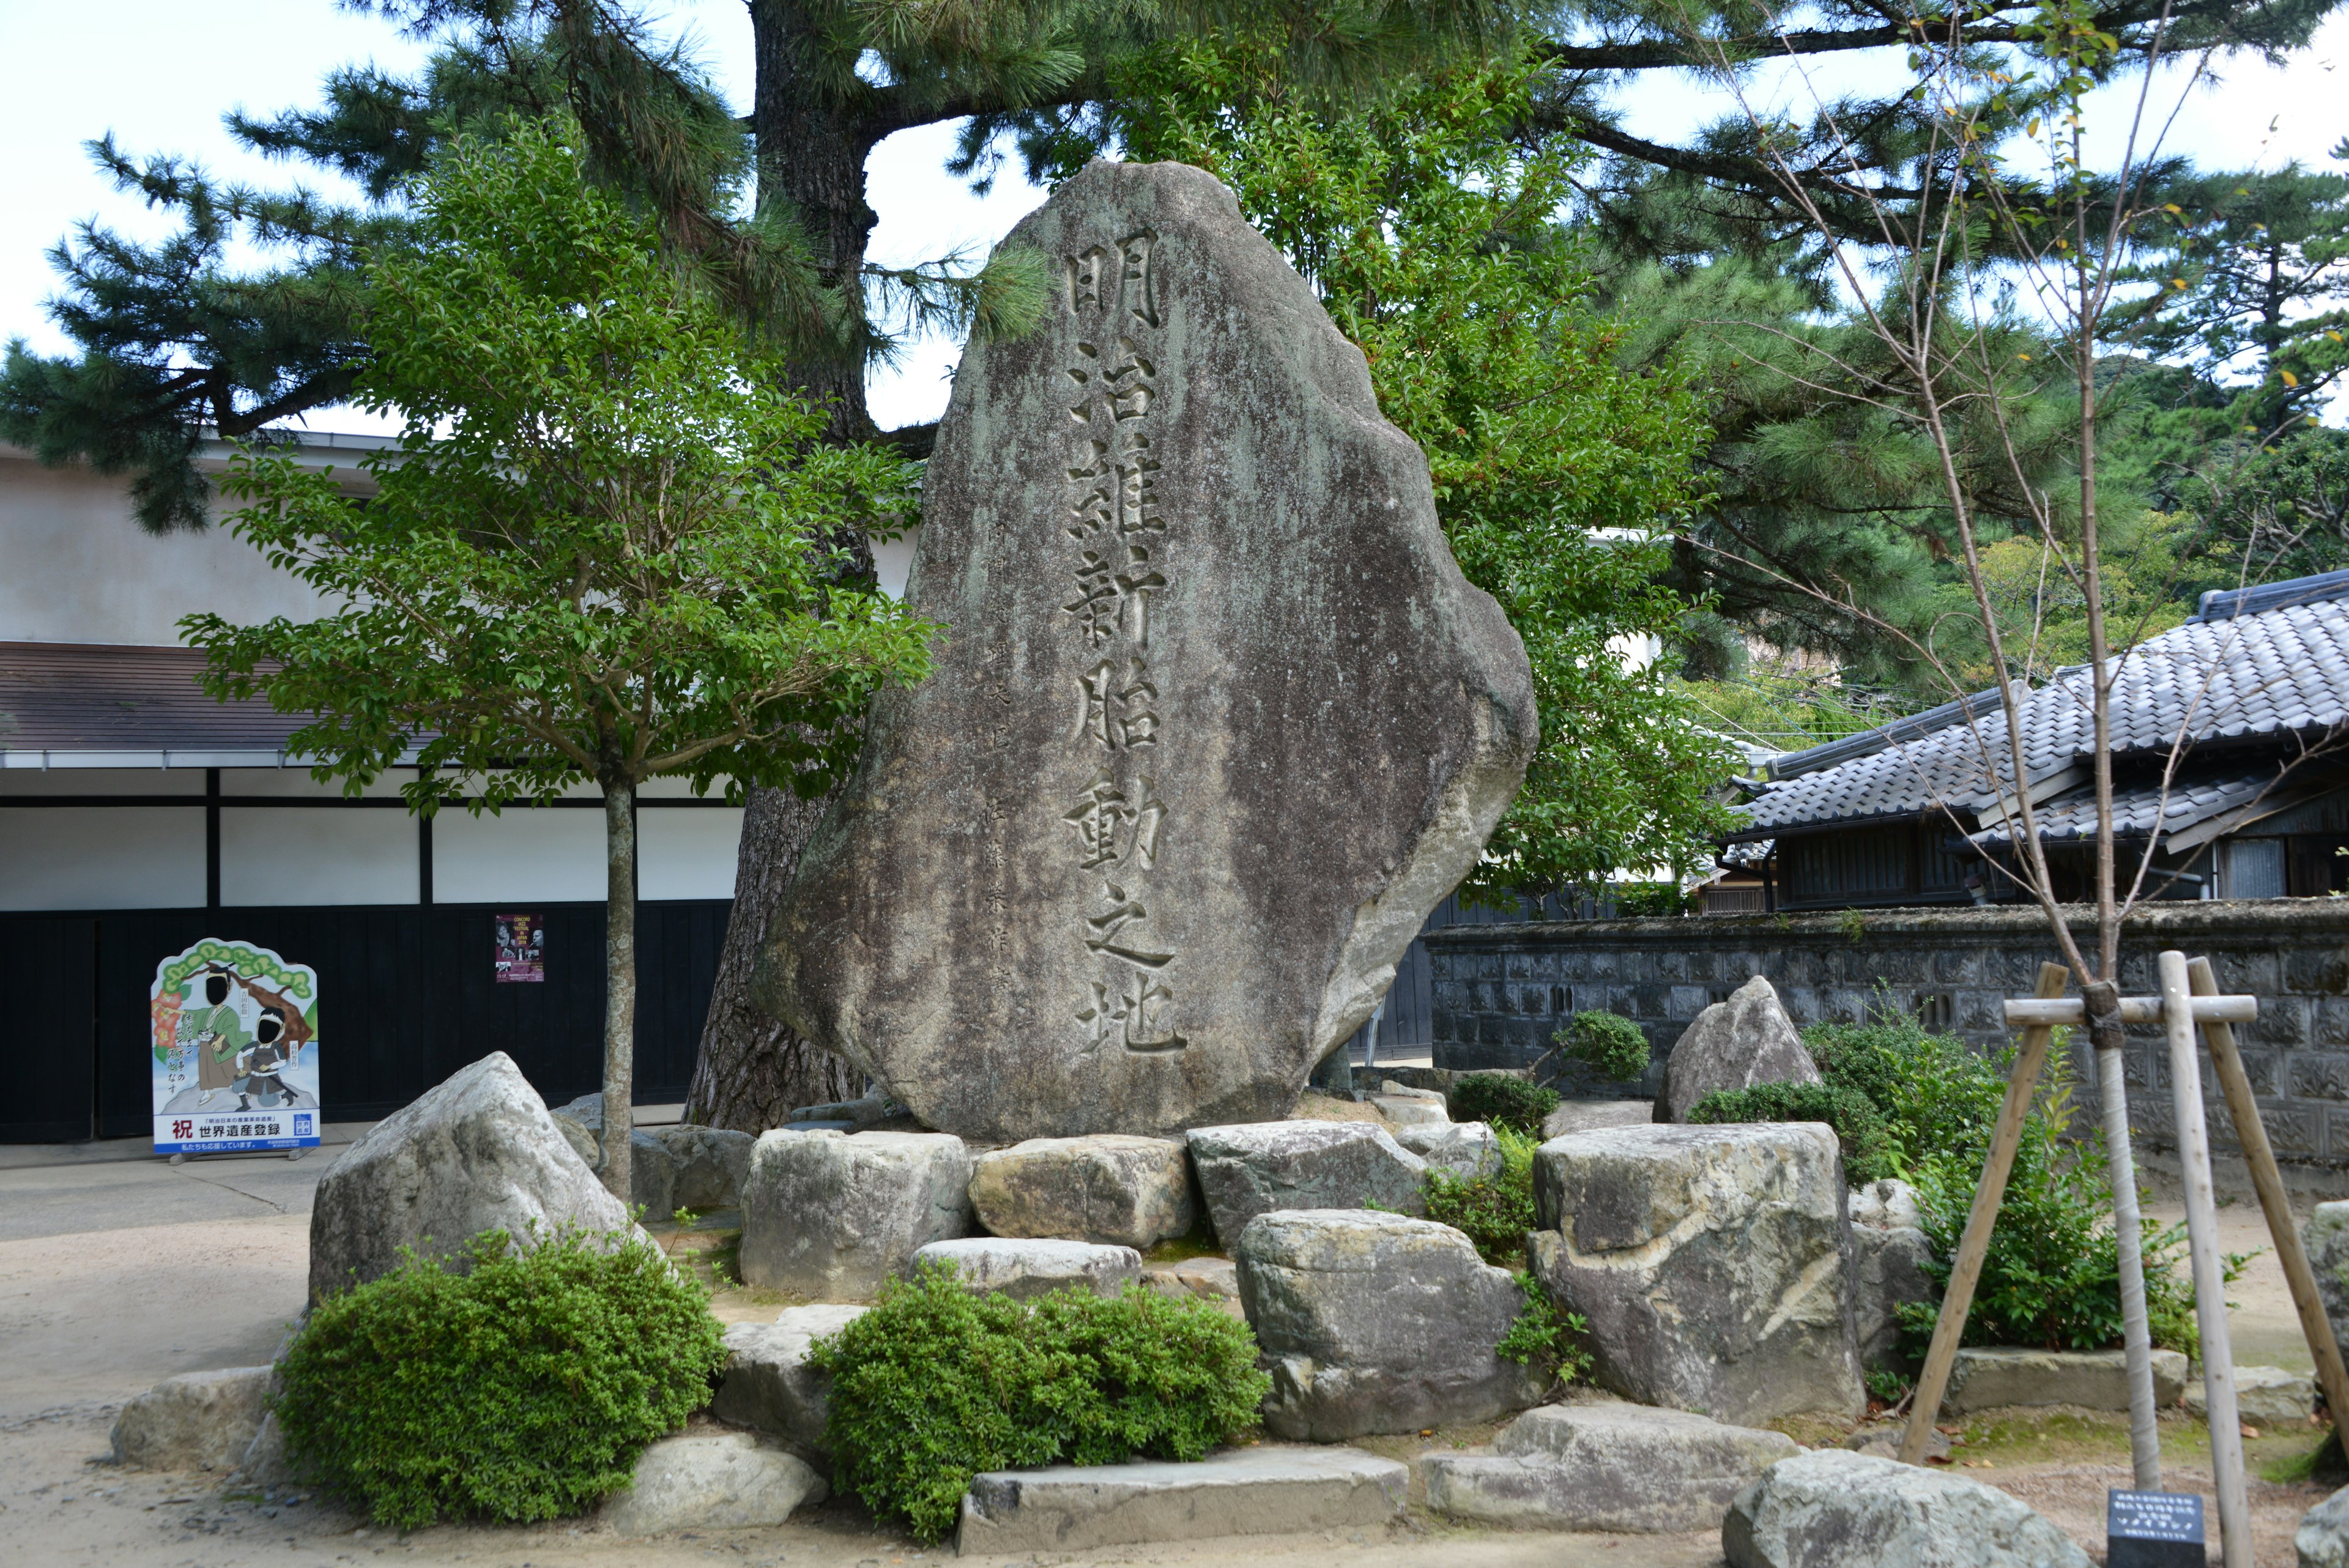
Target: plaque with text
(2152, 1529)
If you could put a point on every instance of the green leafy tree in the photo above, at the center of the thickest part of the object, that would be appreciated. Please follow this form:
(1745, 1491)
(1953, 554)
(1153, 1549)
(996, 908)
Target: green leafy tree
(1427, 223)
(602, 553)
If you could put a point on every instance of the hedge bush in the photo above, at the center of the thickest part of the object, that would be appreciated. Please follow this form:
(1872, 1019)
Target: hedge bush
(1501, 1100)
(1608, 1043)
(518, 1391)
(1870, 1153)
(935, 1385)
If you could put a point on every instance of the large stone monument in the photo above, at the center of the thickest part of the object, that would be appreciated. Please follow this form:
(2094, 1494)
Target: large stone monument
(1216, 720)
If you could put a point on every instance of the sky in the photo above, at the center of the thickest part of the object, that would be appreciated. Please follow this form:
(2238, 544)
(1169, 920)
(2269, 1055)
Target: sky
(170, 70)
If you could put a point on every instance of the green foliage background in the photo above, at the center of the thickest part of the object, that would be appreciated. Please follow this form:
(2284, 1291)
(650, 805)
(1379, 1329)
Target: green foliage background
(520, 1390)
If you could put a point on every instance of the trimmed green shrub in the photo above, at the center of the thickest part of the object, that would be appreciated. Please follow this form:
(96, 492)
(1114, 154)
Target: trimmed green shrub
(519, 1391)
(936, 1384)
(1608, 1043)
(1501, 1100)
(1868, 1151)
(1494, 1211)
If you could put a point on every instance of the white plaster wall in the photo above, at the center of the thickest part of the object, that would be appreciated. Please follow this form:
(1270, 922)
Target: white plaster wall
(555, 854)
(101, 858)
(687, 853)
(309, 855)
(74, 567)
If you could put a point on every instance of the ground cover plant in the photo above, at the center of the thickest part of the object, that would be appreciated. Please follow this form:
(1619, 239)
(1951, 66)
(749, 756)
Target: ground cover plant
(2052, 1276)
(1501, 1100)
(1494, 1212)
(936, 1384)
(519, 1390)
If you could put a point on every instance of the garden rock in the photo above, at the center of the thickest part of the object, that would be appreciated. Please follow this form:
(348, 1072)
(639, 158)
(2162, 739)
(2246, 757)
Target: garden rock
(1711, 1263)
(1606, 1465)
(2264, 1396)
(1023, 1269)
(1734, 1045)
(1591, 1115)
(2323, 1539)
(1832, 1509)
(723, 1480)
(1202, 1279)
(1377, 1322)
(1115, 866)
(1991, 1376)
(652, 1165)
(197, 1422)
(1111, 1187)
(1268, 1489)
(476, 1152)
(2326, 1238)
(1413, 1110)
(1889, 1253)
(1466, 1149)
(711, 1164)
(830, 1216)
(769, 1384)
(1253, 1170)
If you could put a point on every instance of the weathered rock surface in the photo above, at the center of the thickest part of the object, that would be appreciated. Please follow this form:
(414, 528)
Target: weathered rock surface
(1991, 1376)
(1111, 1187)
(476, 1152)
(1023, 1268)
(1592, 1116)
(267, 1462)
(711, 1164)
(719, 1480)
(1466, 1149)
(1253, 1170)
(2264, 1396)
(1889, 1251)
(1711, 1263)
(1413, 1110)
(830, 1216)
(2327, 1238)
(197, 1422)
(1607, 1467)
(767, 1383)
(652, 1163)
(1377, 1322)
(2323, 1539)
(1268, 1489)
(1205, 1279)
(1831, 1509)
(1217, 723)
(1734, 1045)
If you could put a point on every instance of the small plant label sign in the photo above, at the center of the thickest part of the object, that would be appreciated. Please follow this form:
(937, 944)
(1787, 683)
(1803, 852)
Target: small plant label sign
(234, 1042)
(2152, 1529)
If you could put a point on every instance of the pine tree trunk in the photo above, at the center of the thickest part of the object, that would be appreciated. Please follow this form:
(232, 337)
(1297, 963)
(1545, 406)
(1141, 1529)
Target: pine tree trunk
(619, 984)
(753, 1069)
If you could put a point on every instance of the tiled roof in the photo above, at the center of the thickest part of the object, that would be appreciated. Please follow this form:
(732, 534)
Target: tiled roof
(2193, 798)
(2276, 670)
(77, 700)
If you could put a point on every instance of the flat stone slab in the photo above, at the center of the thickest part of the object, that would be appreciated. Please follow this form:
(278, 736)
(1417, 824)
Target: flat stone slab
(1832, 1509)
(1111, 1187)
(196, 1421)
(1269, 1489)
(1986, 1378)
(1255, 1168)
(1219, 721)
(2264, 1396)
(767, 1383)
(1021, 1269)
(1606, 1467)
(718, 1480)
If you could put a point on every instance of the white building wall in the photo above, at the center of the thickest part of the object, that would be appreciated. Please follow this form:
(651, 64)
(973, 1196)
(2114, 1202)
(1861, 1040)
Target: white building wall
(306, 854)
(101, 858)
(555, 855)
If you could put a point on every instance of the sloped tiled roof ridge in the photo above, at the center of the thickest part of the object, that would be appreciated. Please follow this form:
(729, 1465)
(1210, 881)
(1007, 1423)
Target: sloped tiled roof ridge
(2252, 670)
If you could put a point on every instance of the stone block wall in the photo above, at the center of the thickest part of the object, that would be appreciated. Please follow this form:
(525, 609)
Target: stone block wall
(1499, 993)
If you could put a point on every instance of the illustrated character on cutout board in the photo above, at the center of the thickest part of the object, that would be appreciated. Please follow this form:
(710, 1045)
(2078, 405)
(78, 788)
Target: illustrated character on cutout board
(263, 1061)
(220, 1037)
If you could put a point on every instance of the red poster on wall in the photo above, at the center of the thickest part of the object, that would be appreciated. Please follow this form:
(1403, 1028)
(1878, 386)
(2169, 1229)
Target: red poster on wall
(522, 949)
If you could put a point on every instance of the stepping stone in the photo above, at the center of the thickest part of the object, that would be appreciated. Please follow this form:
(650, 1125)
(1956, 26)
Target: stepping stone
(767, 1383)
(1268, 1489)
(1022, 1269)
(1605, 1467)
(1986, 1378)
(724, 1480)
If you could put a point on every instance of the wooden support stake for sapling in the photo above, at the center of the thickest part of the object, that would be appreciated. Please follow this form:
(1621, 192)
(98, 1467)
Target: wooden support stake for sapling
(1965, 1270)
(2267, 1180)
(2202, 1246)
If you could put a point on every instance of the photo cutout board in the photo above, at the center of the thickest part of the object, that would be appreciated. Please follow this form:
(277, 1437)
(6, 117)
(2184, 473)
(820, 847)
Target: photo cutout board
(235, 1048)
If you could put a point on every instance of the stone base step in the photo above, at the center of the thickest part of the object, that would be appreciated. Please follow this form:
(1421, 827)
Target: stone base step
(1269, 1489)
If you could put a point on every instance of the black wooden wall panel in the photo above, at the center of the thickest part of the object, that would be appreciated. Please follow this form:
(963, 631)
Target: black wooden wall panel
(407, 996)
